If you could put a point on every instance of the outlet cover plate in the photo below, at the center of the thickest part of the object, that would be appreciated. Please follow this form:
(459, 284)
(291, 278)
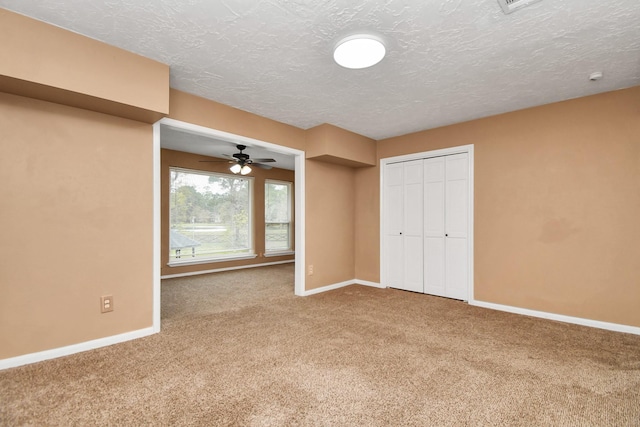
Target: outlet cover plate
(106, 303)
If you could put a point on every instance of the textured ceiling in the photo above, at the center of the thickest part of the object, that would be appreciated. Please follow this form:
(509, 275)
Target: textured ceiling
(192, 142)
(448, 60)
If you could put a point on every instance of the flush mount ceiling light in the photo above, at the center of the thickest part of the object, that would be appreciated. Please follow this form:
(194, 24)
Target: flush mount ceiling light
(359, 51)
(509, 6)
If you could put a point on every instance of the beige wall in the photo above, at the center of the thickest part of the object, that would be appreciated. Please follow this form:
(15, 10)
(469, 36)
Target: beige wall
(339, 194)
(557, 202)
(335, 145)
(330, 219)
(192, 161)
(193, 109)
(41, 60)
(77, 203)
(367, 230)
(76, 224)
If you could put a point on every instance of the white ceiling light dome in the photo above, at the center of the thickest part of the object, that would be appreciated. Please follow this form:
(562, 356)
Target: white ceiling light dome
(359, 51)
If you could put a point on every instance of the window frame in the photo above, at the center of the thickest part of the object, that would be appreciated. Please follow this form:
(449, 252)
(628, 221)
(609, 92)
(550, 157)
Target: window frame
(250, 251)
(289, 250)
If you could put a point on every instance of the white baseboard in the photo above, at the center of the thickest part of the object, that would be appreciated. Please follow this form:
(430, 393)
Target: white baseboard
(616, 327)
(328, 288)
(26, 359)
(341, 285)
(240, 267)
(368, 283)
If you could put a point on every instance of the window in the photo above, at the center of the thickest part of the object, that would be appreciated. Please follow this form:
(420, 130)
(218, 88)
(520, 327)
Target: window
(209, 216)
(277, 208)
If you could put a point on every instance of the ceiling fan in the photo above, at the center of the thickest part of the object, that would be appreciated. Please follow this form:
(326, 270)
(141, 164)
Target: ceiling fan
(242, 161)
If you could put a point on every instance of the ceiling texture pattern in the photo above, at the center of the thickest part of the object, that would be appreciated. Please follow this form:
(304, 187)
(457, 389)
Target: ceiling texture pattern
(447, 61)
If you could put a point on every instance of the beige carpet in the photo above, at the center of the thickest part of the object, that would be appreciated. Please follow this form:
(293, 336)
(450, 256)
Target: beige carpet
(237, 348)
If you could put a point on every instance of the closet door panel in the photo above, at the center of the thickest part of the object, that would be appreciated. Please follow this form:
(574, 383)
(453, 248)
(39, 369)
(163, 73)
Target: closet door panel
(456, 269)
(393, 199)
(393, 213)
(394, 248)
(456, 195)
(434, 267)
(413, 211)
(413, 280)
(434, 223)
(412, 228)
(434, 208)
(456, 228)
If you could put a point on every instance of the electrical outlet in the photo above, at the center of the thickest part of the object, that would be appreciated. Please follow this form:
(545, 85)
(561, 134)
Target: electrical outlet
(106, 303)
(310, 269)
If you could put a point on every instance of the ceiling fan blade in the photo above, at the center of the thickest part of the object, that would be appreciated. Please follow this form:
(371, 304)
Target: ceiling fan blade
(261, 166)
(264, 160)
(216, 161)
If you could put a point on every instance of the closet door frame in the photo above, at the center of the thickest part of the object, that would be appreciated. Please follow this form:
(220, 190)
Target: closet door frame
(425, 155)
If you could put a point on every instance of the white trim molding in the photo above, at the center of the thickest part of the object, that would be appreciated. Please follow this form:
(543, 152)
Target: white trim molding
(75, 348)
(368, 283)
(191, 261)
(616, 327)
(342, 285)
(328, 288)
(281, 253)
(300, 221)
(216, 270)
(156, 227)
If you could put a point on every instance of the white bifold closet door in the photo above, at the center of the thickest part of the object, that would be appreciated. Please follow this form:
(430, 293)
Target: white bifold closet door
(426, 225)
(403, 225)
(446, 226)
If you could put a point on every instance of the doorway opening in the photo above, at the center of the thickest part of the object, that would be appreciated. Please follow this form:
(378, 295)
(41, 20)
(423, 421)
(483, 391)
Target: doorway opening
(212, 136)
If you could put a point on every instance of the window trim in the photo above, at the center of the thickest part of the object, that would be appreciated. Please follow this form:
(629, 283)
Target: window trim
(251, 250)
(289, 250)
(210, 260)
(278, 253)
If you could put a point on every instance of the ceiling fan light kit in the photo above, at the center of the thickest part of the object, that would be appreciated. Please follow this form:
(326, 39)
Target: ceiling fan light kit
(242, 161)
(359, 51)
(241, 169)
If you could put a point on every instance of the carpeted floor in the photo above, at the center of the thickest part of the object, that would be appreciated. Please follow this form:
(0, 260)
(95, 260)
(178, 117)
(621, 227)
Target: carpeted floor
(237, 348)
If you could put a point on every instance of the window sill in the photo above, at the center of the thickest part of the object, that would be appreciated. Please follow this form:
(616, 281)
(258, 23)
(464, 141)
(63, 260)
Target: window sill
(280, 253)
(210, 260)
